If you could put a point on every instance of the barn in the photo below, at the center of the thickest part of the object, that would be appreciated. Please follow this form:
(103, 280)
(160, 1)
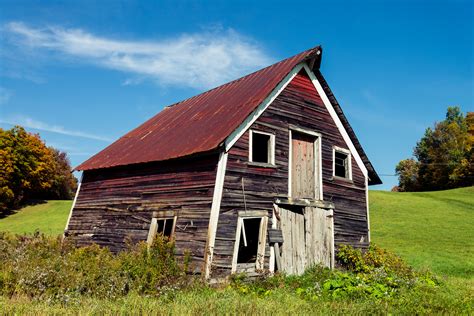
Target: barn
(261, 174)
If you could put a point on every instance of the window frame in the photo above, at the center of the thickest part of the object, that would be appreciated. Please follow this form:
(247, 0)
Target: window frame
(262, 238)
(271, 149)
(161, 216)
(348, 164)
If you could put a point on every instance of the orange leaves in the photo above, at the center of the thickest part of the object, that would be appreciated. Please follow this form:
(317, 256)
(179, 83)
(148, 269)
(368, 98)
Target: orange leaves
(28, 168)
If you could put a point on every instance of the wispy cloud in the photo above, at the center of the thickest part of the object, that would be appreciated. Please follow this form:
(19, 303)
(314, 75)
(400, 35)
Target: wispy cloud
(42, 126)
(200, 60)
(5, 95)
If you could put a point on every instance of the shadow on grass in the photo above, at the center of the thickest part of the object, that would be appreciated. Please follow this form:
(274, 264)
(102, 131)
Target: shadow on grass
(32, 202)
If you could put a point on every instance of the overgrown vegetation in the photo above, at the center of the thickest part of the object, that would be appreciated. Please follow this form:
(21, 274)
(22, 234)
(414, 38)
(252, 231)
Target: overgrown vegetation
(42, 274)
(443, 158)
(31, 170)
(45, 268)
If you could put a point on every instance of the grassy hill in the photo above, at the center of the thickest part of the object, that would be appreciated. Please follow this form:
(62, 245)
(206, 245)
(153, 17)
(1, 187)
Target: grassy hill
(428, 229)
(49, 218)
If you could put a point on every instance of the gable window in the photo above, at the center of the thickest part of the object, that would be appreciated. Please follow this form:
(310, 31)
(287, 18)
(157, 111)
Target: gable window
(162, 223)
(262, 147)
(342, 167)
(249, 248)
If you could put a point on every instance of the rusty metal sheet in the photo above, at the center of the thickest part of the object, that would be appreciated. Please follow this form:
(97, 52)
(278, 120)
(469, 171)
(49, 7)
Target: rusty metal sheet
(198, 124)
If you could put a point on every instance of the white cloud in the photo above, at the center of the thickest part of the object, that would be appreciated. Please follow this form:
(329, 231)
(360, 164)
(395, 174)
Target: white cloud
(41, 126)
(200, 60)
(5, 95)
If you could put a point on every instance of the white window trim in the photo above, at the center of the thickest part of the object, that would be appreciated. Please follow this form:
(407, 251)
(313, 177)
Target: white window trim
(318, 161)
(271, 149)
(262, 239)
(349, 162)
(154, 227)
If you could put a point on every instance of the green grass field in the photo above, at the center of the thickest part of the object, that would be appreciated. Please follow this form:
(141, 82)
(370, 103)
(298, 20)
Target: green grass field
(428, 229)
(49, 218)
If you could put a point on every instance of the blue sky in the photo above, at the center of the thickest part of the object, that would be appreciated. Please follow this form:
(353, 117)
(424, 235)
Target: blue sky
(83, 73)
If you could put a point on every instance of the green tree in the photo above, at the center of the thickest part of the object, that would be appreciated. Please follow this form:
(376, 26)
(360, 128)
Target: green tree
(407, 171)
(444, 156)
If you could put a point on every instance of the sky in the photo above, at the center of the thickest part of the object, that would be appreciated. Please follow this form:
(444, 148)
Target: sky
(83, 73)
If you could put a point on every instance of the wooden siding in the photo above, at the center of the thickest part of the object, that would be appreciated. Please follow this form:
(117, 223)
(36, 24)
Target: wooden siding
(117, 204)
(298, 105)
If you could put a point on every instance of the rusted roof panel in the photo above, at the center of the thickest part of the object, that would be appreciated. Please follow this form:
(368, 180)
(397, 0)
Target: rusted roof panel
(199, 124)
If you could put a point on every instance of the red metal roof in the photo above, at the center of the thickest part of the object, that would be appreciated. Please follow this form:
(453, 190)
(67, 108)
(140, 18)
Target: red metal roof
(198, 124)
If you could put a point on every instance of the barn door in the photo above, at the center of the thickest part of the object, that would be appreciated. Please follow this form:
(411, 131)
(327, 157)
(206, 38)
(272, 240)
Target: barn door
(307, 238)
(303, 175)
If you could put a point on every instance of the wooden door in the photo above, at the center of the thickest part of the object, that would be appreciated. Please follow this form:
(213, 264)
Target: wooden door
(303, 165)
(308, 234)
(293, 249)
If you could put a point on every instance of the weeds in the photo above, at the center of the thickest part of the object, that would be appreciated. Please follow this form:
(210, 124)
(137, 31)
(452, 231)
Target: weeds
(41, 274)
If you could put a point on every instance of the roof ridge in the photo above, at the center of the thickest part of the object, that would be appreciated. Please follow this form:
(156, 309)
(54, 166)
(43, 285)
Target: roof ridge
(309, 51)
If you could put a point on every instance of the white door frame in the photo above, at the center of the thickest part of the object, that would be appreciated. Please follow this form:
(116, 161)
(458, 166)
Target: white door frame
(318, 170)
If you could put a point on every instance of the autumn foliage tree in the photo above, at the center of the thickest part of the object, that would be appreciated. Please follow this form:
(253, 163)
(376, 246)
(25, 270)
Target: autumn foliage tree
(444, 156)
(31, 170)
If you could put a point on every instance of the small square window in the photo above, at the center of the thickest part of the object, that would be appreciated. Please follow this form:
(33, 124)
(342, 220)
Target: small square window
(262, 147)
(164, 224)
(342, 163)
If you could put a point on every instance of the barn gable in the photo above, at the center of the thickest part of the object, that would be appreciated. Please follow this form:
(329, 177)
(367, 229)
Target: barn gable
(299, 106)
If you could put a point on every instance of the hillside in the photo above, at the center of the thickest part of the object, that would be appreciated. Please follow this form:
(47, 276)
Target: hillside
(49, 218)
(428, 229)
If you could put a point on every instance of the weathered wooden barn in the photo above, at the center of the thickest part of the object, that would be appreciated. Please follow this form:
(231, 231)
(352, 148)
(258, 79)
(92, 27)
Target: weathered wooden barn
(263, 173)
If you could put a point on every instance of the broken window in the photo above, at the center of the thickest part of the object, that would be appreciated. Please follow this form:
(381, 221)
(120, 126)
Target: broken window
(342, 163)
(249, 249)
(163, 223)
(262, 147)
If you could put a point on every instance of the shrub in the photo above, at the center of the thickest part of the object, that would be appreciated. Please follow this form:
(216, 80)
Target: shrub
(42, 267)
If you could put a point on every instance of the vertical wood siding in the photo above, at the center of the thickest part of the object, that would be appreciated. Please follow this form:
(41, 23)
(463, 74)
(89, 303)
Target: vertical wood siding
(299, 104)
(115, 205)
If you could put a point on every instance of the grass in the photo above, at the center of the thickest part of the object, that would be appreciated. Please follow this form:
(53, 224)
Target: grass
(49, 218)
(428, 229)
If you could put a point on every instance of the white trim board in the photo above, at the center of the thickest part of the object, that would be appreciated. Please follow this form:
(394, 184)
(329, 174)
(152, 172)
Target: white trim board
(336, 120)
(215, 209)
(230, 141)
(73, 203)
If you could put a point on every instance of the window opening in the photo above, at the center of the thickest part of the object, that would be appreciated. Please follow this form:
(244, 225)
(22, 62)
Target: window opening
(249, 237)
(262, 147)
(341, 164)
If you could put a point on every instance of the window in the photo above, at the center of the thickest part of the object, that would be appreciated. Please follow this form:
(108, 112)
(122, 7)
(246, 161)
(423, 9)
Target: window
(342, 163)
(262, 147)
(249, 248)
(163, 223)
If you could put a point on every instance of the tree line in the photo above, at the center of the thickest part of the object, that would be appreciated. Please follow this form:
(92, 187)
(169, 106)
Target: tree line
(443, 158)
(30, 170)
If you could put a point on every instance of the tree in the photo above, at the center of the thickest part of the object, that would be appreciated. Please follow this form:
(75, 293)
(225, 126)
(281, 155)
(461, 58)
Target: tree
(30, 170)
(444, 156)
(407, 171)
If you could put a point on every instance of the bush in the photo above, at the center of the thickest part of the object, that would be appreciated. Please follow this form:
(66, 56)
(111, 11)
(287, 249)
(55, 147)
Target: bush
(42, 267)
